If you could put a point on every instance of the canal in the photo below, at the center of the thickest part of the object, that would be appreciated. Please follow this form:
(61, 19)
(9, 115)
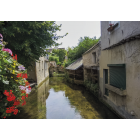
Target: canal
(56, 99)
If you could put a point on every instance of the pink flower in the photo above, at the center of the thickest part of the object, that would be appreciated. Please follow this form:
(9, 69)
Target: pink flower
(22, 87)
(21, 67)
(7, 50)
(1, 36)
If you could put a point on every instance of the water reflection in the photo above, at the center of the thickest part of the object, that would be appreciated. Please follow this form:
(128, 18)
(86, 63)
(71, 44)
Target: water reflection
(55, 99)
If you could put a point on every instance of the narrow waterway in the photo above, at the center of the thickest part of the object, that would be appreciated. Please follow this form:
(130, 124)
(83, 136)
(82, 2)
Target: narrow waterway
(56, 99)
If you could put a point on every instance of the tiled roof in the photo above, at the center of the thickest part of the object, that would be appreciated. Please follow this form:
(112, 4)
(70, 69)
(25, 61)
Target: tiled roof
(75, 65)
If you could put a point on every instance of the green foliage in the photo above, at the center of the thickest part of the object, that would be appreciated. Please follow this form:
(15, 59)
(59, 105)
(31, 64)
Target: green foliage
(54, 58)
(59, 63)
(60, 53)
(90, 86)
(28, 39)
(83, 45)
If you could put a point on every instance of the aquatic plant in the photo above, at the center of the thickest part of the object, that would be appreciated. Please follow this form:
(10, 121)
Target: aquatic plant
(14, 88)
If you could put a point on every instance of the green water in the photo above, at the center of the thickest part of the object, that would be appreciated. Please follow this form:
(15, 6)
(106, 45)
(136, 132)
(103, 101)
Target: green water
(56, 99)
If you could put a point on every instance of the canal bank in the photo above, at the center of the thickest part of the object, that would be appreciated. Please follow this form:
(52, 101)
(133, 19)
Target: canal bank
(56, 99)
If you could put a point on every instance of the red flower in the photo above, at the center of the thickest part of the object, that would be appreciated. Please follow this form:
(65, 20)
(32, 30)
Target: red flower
(23, 97)
(15, 111)
(19, 75)
(11, 97)
(10, 91)
(8, 110)
(25, 76)
(24, 103)
(6, 93)
(12, 108)
(27, 95)
(4, 117)
(15, 57)
(22, 91)
(16, 103)
(26, 83)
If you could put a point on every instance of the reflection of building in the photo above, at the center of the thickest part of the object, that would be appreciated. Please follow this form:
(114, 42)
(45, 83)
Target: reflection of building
(120, 66)
(75, 71)
(40, 71)
(91, 63)
(42, 95)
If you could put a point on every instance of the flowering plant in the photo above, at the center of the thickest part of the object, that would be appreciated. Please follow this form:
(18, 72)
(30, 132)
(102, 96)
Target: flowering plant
(111, 25)
(14, 88)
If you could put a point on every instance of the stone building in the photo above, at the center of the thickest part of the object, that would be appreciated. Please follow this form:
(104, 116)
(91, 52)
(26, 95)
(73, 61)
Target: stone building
(39, 71)
(120, 67)
(53, 63)
(91, 63)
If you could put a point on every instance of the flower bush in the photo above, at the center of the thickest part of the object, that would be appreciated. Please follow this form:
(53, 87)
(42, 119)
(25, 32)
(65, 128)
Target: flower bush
(14, 88)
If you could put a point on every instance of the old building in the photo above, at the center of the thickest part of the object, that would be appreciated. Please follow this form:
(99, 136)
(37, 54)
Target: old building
(120, 66)
(53, 63)
(91, 63)
(39, 71)
(75, 71)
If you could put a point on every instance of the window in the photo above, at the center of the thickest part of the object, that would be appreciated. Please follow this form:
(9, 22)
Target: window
(106, 80)
(39, 65)
(117, 75)
(94, 57)
(42, 65)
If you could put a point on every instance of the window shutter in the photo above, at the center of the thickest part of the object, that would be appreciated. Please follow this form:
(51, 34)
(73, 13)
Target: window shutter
(117, 76)
(106, 81)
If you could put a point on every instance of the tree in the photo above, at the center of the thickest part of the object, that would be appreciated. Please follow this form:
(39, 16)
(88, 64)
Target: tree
(60, 53)
(83, 45)
(28, 39)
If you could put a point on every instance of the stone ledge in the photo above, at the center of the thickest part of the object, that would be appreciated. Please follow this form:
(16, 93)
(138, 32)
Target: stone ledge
(115, 90)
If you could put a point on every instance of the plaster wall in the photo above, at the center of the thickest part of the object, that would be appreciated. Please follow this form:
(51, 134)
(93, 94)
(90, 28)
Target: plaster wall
(88, 58)
(125, 29)
(42, 70)
(129, 54)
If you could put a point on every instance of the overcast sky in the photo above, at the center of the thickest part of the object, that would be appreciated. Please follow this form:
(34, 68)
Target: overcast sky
(77, 29)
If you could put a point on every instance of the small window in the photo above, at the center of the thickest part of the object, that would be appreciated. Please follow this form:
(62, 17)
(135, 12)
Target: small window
(117, 75)
(94, 57)
(39, 66)
(42, 65)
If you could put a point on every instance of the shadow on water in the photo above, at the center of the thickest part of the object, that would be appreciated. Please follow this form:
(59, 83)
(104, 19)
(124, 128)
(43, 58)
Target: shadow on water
(56, 99)
(94, 102)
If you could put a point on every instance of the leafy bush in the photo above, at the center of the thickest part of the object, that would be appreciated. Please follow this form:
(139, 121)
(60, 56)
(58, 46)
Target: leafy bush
(14, 87)
(54, 58)
(90, 86)
(84, 44)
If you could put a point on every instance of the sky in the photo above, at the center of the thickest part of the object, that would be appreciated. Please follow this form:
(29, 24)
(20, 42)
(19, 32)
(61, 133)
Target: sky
(75, 30)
